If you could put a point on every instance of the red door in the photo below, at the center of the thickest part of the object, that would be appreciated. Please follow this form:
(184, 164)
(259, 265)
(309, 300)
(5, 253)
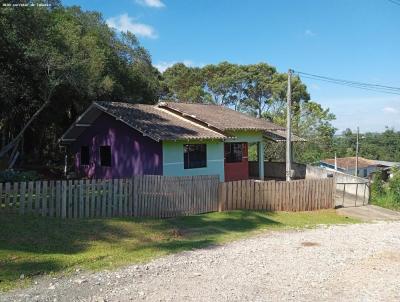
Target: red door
(236, 161)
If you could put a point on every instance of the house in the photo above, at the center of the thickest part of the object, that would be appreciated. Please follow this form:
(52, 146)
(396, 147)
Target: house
(116, 140)
(348, 165)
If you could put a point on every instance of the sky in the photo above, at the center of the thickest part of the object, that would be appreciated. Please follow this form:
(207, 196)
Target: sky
(347, 39)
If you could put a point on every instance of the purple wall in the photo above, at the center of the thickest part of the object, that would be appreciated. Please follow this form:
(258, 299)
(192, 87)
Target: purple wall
(131, 152)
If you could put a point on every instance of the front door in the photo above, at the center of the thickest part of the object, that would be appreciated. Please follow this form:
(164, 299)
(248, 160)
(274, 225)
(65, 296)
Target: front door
(236, 161)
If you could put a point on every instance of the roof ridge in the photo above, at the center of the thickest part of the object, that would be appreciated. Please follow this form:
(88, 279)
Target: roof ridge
(187, 120)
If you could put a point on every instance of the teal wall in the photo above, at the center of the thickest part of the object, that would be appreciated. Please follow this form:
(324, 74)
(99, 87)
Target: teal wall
(173, 154)
(173, 159)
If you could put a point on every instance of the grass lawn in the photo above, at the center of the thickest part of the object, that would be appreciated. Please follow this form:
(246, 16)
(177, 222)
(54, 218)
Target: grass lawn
(33, 246)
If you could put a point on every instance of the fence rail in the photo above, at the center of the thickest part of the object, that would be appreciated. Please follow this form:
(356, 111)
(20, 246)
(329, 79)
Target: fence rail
(297, 195)
(141, 196)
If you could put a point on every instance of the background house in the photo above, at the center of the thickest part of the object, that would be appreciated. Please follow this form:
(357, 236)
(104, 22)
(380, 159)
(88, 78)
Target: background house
(114, 140)
(348, 165)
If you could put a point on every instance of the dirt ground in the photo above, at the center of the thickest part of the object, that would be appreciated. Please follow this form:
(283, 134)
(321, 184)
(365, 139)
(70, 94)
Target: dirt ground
(359, 262)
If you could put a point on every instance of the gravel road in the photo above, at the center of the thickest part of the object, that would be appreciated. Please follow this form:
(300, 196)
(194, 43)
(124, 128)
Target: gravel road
(359, 262)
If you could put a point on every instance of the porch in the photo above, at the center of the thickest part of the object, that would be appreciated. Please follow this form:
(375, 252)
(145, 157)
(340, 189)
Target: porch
(244, 157)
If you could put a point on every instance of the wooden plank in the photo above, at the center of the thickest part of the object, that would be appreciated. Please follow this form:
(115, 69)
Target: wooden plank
(334, 192)
(99, 197)
(15, 194)
(130, 197)
(140, 196)
(58, 199)
(103, 185)
(44, 199)
(271, 199)
(160, 193)
(70, 203)
(135, 196)
(92, 202)
(263, 195)
(146, 196)
(76, 198)
(50, 198)
(139, 193)
(7, 196)
(37, 196)
(251, 195)
(152, 191)
(81, 199)
(30, 197)
(163, 191)
(87, 198)
(109, 197)
(22, 197)
(221, 196)
(115, 198)
(64, 191)
(125, 198)
(229, 187)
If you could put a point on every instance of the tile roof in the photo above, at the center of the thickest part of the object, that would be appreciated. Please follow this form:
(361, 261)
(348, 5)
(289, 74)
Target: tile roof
(157, 122)
(220, 117)
(350, 162)
(178, 121)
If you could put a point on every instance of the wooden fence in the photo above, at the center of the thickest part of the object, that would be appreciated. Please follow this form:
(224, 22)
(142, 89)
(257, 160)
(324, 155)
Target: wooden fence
(297, 195)
(162, 196)
(141, 196)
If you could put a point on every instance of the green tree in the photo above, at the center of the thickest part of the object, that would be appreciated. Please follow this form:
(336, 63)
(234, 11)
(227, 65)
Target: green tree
(53, 63)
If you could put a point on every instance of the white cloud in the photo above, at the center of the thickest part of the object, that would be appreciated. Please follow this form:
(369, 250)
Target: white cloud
(309, 33)
(390, 110)
(125, 23)
(151, 3)
(315, 86)
(164, 65)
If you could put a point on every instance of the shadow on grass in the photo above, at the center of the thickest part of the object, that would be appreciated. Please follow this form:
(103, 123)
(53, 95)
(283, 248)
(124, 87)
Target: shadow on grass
(36, 245)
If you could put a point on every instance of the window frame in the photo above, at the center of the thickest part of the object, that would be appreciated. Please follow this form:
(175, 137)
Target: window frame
(231, 157)
(196, 163)
(108, 148)
(84, 163)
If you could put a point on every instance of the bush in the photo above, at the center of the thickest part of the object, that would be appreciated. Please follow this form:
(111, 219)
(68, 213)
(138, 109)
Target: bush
(16, 176)
(377, 188)
(394, 185)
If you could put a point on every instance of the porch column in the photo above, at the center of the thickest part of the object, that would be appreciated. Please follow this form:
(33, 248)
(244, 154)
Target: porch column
(260, 152)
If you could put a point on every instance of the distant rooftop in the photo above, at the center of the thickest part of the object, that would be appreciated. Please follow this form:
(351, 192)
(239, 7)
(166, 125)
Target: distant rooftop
(350, 162)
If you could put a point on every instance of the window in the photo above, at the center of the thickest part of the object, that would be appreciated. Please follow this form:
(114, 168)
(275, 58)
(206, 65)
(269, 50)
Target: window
(85, 156)
(233, 152)
(105, 156)
(195, 156)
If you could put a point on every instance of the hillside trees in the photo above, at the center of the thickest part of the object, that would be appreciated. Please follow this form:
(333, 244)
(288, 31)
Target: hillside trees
(53, 63)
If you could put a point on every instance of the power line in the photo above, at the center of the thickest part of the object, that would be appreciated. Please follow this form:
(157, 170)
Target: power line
(353, 84)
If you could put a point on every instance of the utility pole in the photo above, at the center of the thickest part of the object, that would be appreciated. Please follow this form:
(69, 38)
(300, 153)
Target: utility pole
(289, 129)
(357, 146)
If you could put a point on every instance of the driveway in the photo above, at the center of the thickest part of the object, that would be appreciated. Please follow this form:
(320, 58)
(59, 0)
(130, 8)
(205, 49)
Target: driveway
(359, 262)
(350, 205)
